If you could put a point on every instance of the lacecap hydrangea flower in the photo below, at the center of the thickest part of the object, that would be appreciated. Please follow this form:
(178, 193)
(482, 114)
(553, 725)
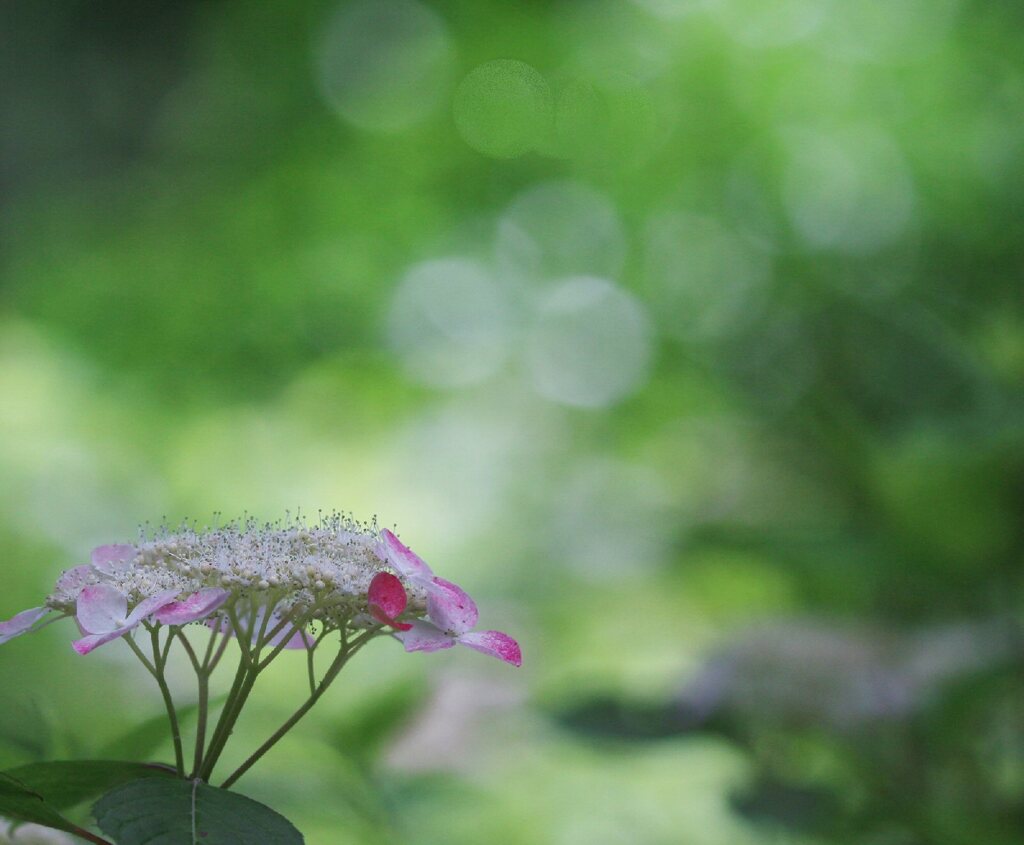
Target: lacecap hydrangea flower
(288, 579)
(269, 588)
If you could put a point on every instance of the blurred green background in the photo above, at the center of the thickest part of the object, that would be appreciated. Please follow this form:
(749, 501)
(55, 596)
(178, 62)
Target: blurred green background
(685, 334)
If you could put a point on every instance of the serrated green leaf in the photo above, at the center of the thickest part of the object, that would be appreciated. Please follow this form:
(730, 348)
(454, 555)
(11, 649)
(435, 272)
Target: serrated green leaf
(160, 811)
(65, 783)
(20, 803)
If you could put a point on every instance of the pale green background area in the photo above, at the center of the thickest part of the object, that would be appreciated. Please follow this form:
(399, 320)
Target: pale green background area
(259, 257)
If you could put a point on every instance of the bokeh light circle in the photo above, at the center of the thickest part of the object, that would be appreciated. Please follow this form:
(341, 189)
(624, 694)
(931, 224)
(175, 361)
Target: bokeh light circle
(449, 322)
(590, 345)
(503, 108)
(560, 228)
(849, 190)
(384, 65)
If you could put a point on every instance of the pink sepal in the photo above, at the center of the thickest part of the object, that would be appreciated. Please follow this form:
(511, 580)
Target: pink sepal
(148, 606)
(197, 606)
(422, 636)
(107, 558)
(101, 609)
(21, 622)
(72, 580)
(404, 559)
(94, 641)
(387, 599)
(494, 643)
(450, 607)
(99, 605)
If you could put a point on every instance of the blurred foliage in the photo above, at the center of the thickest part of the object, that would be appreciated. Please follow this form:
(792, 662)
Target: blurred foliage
(687, 334)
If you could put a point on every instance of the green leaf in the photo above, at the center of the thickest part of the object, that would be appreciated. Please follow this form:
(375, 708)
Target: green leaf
(182, 812)
(65, 783)
(20, 803)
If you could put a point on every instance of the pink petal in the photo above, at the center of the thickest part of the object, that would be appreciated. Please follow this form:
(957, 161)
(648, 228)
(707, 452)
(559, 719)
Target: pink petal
(197, 606)
(495, 644)
(20, 623)
(422, 636)
(106, 558)
(450, 607)
(148, 606)
(402, 558)
(94, 641)
(144, 608)
(387, 599)
(101, 609)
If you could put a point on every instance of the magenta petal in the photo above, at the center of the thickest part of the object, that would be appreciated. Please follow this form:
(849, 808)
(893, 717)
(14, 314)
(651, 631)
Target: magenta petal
(101, 609)
(21, 622)
(387, 599)
(422, 636)
(495, 644)
(402, 558)
(387, 593)
(106, 558)
(450, 607)
(197, 606)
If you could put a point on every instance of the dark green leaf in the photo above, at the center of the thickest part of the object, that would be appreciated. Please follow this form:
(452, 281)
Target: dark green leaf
(65, 783)
(159, 811)
(22, 804)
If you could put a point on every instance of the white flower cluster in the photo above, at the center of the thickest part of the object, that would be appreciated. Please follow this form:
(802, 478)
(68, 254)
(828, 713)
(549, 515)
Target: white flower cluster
(322, 571)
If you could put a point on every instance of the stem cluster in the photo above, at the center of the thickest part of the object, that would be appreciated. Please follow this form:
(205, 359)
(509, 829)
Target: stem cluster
(259, 642)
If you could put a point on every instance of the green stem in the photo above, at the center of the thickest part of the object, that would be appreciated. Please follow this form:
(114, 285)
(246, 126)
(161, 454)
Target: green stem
(311, 667)
(329, 676)
(243, 635)
(157, 671)
(193, 659)
(225, 714)
(214, 752)
(228, 719)
(203, 678)
(201, 716)
(213, 662)
(296, 628)
(209, 646)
